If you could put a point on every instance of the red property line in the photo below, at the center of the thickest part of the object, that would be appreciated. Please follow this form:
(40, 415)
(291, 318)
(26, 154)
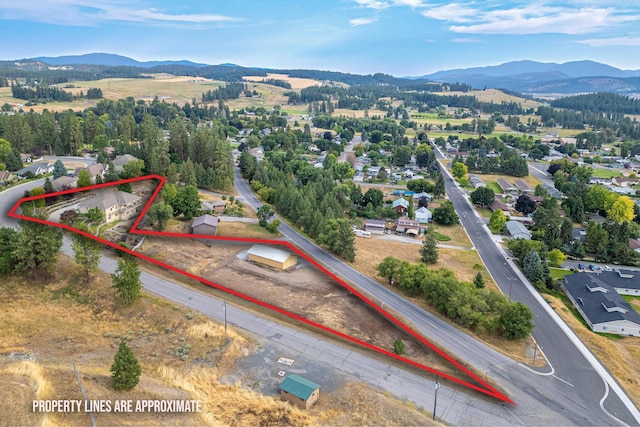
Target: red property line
(486, 389)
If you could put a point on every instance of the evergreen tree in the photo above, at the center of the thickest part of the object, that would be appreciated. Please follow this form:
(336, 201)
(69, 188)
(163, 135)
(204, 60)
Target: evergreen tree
(14, 161)
(429, 250)
(59, 169)
(48, 186)
(478, 281)
(337, 236)
(9, 239)
(438, 188)
(37, 248)
(125, 371)
(126, 280)
(87, 251)
(411, 212)
(532, 266)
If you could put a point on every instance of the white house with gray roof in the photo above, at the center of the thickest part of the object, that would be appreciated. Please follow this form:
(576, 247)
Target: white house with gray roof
(518, 230)
(600, 304)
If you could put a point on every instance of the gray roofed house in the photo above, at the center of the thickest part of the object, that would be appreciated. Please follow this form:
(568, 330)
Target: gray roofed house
(36, 169)
(116, 205)
(518, 230)
(523, 187)
(64, 183)
(120, 161)
(94, 170)
(506, 186)
(553, 192)
(476, 182)
(600, 305)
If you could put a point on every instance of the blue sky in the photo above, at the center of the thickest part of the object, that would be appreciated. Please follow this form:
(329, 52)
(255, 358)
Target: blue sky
(399, 37)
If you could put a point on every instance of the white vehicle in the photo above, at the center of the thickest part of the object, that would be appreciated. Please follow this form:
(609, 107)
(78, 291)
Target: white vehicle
(362, 233)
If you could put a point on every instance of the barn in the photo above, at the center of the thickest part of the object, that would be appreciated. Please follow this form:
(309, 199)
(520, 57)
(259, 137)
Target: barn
(205, 224)
(299, 391)
(272, 257)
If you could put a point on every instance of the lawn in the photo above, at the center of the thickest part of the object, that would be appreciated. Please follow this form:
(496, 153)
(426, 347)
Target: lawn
(495, 187)
(558, 273)
(606, 173)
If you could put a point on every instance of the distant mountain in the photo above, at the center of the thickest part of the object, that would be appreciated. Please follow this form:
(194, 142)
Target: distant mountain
(110, 59)
(540, 77)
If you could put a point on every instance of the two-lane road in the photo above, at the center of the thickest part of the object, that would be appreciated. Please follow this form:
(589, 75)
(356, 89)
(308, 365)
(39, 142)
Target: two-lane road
(541, 399)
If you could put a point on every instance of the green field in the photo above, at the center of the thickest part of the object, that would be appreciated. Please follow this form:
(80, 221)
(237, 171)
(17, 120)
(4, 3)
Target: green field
(606, 173)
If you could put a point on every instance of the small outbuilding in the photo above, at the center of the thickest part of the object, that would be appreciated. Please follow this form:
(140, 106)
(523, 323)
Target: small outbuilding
(272, 257)
(299, 391)
(205, 224)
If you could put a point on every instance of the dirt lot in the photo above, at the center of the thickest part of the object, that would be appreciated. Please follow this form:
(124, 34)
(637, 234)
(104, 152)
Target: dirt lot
(303, 291)
(48, 326)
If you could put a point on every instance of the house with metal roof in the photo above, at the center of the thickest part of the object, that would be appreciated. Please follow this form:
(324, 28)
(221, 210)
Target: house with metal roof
(400, 205)
(299, 391)
(518, 230)
(476, 182)
(523, 187)
(272, 257)
(600, 305)
(423, 215)
(506, 186)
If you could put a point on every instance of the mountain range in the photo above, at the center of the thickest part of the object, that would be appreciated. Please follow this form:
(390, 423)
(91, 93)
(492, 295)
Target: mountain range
(527, 77)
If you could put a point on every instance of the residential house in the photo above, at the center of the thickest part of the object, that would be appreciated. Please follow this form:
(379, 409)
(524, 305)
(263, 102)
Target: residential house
(358, 177)
(523, 187)
(423, 215)
(64, 183)
(400, 205)
(622, 181)
(564, 141)
(634, 244)
(299, 391)
(498, 204)
(624, 190)
(205, 224)
(374, 171)
(120, 161)
(517, 230)
(476, 182)
(506, 186)
(408, 173)
(579, 234)
(553, 192)
(599, 303)
(417, 196)
(212, 206)
(95, 170)
(116, 205)
(602, 181)
(36, 169)
(374, 226)
(408, 226)
(6, 177)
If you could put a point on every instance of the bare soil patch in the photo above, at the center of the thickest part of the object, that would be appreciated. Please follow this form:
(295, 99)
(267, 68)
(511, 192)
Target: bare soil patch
(303, 291)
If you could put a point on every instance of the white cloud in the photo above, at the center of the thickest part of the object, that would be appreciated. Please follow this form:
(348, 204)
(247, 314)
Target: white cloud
(373, 4)
(535, 20)
(613, 41)
(362, 21)
(86, 12)
(451, 12)
(465, 40)
(411, 3)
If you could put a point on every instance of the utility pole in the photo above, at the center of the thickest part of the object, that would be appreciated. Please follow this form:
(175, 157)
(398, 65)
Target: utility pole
(435, 401)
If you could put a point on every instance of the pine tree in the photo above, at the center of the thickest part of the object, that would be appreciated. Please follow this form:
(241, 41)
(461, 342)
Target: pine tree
(37, 248)
(478, 281)
(126, 280)
(48, 186)
(438, 188)
(59, 169)
(429, 250)
(87, 251)
(411, 212)
(125, 371)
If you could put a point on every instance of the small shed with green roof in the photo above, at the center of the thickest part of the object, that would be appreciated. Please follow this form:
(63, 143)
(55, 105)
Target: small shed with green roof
(299, 391)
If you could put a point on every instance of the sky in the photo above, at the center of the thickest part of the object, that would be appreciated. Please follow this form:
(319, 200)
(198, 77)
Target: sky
(397, 37)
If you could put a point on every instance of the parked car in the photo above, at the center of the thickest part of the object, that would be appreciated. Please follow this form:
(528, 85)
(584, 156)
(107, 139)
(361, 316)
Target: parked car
(607, 268)
(592, 267)
(580, 266)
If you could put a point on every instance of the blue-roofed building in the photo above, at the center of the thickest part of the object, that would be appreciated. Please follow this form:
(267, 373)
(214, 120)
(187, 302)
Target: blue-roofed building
(299, 391)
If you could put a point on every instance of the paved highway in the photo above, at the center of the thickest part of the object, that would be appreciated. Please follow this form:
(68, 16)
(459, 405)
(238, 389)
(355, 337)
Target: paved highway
(573, 364)
(542, 398)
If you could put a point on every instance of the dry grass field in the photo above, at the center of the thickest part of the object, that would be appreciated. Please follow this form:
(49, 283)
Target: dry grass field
(496, 96)
(66, 320)
(295, 82)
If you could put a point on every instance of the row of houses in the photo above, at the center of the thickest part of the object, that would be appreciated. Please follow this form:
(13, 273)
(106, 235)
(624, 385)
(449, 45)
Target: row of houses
(404, 225)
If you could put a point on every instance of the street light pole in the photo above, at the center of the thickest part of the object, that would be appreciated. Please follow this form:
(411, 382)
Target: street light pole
(435, 401)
